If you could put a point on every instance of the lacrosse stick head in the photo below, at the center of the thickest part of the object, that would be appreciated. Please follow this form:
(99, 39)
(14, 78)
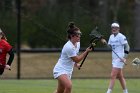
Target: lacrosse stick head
(95, 33)
(95, 37)
(136, 62)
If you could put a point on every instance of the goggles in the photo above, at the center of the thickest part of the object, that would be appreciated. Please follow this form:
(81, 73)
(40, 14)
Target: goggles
(77, 33)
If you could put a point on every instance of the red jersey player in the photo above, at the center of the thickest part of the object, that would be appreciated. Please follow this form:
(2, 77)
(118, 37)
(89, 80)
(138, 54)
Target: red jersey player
(5, 48)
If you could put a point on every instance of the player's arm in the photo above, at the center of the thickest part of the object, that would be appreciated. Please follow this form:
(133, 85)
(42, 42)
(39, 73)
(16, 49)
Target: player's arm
(78, 58)
(11, 57)
(126, 50)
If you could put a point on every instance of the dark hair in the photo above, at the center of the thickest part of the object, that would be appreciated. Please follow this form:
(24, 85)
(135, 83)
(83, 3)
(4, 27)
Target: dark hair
(71, 29)
(3, 36)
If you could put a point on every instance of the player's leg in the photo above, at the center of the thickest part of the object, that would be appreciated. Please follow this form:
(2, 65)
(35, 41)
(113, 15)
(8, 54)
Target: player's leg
(60, 87)
(64, 84)
(122, 81)
(114, 73)
(1, 71)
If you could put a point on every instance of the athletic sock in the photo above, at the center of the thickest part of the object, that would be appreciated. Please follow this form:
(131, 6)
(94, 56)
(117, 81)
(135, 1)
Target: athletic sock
(109, 91)
(125, 91)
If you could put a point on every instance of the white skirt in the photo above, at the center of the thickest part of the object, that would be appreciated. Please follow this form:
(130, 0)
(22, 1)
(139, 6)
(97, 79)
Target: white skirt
(117, 63)
(57, 73)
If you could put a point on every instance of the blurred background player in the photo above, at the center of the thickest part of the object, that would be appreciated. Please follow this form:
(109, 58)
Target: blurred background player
(119, 44)
(68, 59)
(5, 48)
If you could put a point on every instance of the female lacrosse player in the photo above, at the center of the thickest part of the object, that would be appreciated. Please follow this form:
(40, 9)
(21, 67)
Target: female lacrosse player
(5, 48)
(68, 59)
(120, 46)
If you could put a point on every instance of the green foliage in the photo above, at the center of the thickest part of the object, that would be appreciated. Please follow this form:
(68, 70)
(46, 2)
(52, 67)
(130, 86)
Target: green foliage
(45, 24)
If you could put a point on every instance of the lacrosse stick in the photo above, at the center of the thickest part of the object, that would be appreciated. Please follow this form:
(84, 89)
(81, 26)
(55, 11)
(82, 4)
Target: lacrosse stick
(136, 62)
(96, 36)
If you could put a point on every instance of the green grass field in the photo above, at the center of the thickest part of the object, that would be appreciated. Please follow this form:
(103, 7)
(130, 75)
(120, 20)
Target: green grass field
(79, 86)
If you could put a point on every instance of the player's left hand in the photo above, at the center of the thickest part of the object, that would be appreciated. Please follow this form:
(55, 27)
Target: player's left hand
(123, 60)
(77, 65)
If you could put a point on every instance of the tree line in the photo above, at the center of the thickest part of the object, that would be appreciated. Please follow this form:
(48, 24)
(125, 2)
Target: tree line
(44, 22)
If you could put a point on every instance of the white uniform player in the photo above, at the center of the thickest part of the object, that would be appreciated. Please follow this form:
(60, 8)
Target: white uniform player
(68, 59)
(120, 50)
(117, 43)
(65, 64)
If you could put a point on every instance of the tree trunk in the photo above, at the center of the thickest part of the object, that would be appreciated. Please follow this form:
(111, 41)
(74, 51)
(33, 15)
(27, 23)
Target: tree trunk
(103, 6)
(137, 24)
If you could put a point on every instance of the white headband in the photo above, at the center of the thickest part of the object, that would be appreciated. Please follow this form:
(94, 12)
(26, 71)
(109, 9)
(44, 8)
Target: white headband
(115, 25)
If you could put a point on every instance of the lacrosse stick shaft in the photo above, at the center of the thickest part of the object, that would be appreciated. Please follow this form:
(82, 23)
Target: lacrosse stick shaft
(91, 46)
(115, 53)
(97, 36)
(83, 61)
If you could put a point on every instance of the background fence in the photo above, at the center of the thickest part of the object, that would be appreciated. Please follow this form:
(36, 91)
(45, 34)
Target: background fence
(40, 66)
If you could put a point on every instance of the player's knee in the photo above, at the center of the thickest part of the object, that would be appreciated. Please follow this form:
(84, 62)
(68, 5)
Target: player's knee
(113, 76)
(68, 86)
(120, 77)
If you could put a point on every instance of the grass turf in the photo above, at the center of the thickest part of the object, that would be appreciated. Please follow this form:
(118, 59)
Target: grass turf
(79, 86)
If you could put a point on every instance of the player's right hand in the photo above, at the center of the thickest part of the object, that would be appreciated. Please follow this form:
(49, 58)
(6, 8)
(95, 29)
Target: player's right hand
(89, 49)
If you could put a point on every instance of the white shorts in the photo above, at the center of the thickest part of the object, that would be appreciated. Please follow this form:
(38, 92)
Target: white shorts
(117, 63)
(56, 74)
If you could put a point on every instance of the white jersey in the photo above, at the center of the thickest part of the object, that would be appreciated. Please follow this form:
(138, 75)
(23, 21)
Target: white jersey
(65, 63)
(117, 43)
